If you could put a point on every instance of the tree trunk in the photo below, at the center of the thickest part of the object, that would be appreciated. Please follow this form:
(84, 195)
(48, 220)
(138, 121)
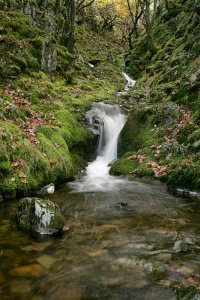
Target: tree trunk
(69, 38)
(148, 25)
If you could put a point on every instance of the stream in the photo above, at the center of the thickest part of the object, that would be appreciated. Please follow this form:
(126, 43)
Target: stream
(127, 239)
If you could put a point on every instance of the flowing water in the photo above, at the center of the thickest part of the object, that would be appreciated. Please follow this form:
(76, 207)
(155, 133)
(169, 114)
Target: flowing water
(120, 241)
(130, 83)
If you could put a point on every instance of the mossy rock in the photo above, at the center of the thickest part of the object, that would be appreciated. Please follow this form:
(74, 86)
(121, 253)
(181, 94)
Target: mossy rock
(39, 216)
(123, 167)
(133, 135)
(144, 171)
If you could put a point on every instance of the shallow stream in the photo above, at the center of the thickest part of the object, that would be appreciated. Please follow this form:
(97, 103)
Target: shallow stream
(119, 246)
(108, 251)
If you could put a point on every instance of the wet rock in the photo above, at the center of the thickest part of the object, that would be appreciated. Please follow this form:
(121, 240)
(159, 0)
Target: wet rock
(187, 193)
(183, 244)
(66, 227)
(33, 270)
(39, 216)
(112, 162)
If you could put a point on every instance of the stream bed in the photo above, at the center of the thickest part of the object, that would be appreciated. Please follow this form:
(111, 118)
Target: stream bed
(126, 239)
(110, 250)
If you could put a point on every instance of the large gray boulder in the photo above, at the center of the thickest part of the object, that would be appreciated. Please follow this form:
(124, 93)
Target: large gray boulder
(39, 216)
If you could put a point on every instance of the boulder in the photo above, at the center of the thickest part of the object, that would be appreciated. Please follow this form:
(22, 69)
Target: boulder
(39, 216)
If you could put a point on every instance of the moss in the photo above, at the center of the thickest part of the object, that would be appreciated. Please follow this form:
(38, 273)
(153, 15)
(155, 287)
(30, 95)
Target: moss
(184, 176)
(71, 130)
(185, 134)
(8, 187)
(123, 167)
(5, 168)
(144, 171)
(29, 220)
(65, 143)
(195, 136)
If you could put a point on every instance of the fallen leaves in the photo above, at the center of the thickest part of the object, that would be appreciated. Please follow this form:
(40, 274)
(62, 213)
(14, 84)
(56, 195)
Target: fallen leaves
(139, 158)
(16, 165)
(183, 121)
(53, 165)
(158, 170)
(18, 100)
(33, 122)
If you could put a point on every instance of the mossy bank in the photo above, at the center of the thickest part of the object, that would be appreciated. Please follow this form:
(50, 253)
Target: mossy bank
(161, 138)
(45, 89)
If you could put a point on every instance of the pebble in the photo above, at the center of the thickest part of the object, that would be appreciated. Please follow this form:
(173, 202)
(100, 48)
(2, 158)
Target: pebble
(46, 261)
(107, 228)
(38, 247)
(32, 270)
(98, 253)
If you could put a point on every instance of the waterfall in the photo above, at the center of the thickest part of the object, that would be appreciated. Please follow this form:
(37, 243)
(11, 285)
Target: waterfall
(130, 83)
(110, 121)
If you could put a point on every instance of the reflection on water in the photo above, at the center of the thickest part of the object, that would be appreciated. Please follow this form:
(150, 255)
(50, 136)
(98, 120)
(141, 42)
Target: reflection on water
(110, 252)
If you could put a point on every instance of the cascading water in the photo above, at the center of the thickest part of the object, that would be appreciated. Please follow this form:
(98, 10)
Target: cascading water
(130, 83)
(110, 121)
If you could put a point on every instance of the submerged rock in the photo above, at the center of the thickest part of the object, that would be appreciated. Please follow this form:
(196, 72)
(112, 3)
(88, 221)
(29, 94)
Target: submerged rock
(39, 216)
(31, 270)
(183, 244)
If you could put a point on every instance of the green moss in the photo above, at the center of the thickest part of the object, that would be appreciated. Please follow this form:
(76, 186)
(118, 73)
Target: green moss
(5, 168)
(184, 176)
(144, 171)
(186, 133)
(123, 167)
(136, 132)
(8, 187)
